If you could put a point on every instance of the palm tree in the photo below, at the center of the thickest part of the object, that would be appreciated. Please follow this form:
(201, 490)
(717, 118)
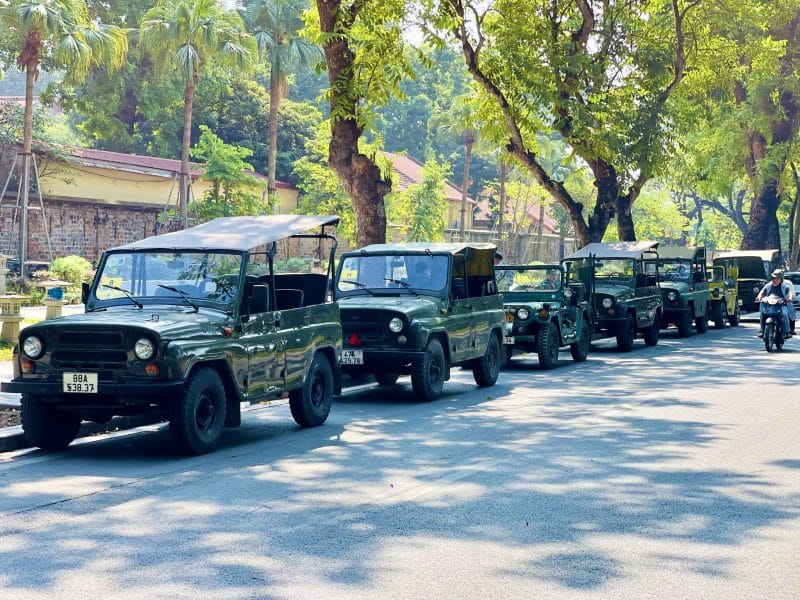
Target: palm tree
(275, 25)
(460, 121)
(64, 33)
(186, 35)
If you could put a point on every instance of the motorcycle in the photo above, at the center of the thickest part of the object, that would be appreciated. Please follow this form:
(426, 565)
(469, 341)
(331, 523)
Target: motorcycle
(774, 335)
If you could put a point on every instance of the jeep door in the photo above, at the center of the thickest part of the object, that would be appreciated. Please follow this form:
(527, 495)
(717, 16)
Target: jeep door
(460, 318)
(265, 343)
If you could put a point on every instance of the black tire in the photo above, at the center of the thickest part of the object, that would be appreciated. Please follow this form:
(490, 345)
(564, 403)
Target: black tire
(719, 315)
(580, 348)
(46, 427)
(387, 377)
(197, 418)
(427, 375)
(486, 369)
(701, 322)
(650, 334)
(311, 404)
(506, 352)
(626, 334)
(547, 346)
(735, 317)
(769, 336)
(684, 324)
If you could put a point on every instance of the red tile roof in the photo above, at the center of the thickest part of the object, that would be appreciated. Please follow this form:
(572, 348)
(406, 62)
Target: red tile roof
(409, 171)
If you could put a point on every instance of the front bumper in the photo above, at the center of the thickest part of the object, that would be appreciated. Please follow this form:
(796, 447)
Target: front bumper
(383, 359)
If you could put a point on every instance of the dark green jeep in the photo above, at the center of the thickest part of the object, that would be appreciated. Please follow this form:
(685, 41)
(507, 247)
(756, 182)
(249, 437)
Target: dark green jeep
(420, 308)
(622, 281)
(187, 325)
(684, 288)
(543, 314)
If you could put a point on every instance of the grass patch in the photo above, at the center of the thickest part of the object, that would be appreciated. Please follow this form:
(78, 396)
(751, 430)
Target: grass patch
(6, 348)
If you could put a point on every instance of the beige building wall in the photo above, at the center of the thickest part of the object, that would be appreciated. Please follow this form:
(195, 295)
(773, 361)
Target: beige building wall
(130, 187)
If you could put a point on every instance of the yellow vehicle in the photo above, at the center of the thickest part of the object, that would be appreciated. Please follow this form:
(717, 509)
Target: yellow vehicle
(723, 285)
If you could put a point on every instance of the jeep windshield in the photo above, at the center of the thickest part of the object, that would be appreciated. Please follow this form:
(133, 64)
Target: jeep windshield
(393, 274)
(512, 280)
(614, 269)
(208, 278)
(674, 270)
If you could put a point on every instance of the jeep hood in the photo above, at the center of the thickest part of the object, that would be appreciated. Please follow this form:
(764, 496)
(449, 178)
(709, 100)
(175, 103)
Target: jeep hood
(620, 292)
(410, 305)
(680, 287)
(166, 322)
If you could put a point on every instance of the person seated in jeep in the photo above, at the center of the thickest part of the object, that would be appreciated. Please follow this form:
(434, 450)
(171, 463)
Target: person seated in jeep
(550, 282)
(777, 287)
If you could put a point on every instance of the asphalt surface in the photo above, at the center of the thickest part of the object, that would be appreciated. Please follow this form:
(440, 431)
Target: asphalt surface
(666, 472)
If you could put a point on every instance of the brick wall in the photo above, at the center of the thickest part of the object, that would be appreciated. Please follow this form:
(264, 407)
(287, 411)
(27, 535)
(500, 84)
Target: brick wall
(85, 229)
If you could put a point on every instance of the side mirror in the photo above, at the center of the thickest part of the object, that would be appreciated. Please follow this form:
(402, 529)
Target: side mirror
(85, 292)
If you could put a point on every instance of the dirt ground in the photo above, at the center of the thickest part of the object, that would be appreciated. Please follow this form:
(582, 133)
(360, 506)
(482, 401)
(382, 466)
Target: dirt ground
(8, 417)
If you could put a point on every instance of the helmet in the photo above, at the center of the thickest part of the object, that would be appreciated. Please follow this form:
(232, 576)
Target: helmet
(777, 273)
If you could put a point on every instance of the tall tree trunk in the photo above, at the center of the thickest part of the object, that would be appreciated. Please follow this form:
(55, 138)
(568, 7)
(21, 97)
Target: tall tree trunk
(357, 172)
(605, 180)
(794, 235)
(29, 62)
(501, 217)
(183, 190)
(763, 231)
(275, 90)
(469, 141)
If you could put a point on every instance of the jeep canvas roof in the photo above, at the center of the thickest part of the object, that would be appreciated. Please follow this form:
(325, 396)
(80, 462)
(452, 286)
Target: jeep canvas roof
(233, 233)
(696, 253)
(614, 250)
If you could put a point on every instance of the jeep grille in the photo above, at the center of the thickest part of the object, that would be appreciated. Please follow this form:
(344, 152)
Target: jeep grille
(89, 359)
(96, 338)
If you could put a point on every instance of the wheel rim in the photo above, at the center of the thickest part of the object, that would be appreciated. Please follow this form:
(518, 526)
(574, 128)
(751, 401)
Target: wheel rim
(206, 413)
(317, 391)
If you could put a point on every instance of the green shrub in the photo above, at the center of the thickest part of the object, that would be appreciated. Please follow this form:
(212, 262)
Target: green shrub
(73, 269)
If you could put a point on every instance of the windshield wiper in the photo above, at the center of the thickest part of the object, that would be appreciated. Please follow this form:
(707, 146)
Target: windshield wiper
(405, 284)
(182, 293)
(363, 286)
(128, 295)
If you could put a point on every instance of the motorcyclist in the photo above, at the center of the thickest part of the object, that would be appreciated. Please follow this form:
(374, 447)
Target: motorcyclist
(777, 287)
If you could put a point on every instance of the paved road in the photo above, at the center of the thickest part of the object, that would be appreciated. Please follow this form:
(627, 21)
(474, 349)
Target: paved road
(667, 472)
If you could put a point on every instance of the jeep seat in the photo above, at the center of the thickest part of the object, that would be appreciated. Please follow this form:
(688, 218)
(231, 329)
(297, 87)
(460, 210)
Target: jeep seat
(288, 299)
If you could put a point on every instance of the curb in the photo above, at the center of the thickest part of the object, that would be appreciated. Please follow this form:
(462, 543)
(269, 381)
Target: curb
(13, 438)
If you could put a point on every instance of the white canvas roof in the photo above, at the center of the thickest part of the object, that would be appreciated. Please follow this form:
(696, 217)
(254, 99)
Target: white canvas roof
(614, 250)
(233, 233)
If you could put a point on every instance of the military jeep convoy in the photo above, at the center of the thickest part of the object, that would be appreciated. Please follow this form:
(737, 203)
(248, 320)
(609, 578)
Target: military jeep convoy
(186, 326)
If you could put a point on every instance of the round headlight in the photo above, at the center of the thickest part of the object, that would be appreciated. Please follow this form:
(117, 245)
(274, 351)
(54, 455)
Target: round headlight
(607, 302)
(523, 313)
(672, 296)
(756, 289)
(33, 346)
(567, 293)
(396, 325)
(144, 349)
